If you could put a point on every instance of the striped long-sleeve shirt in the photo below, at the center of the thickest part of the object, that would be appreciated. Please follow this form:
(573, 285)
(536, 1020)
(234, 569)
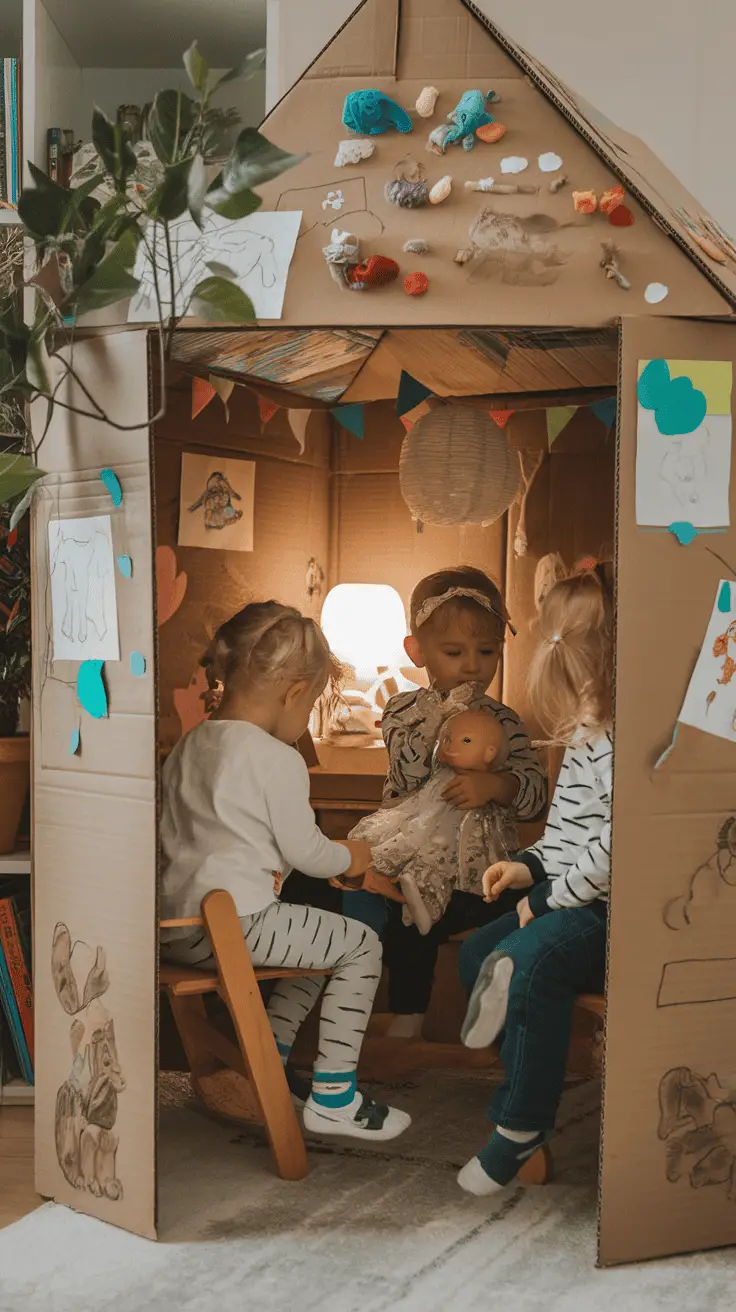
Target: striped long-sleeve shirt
(571, 863)
(411, 725)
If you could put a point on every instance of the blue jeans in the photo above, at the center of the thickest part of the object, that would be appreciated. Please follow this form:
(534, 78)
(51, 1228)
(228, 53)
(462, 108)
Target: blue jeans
(410, 957)
(555, 957)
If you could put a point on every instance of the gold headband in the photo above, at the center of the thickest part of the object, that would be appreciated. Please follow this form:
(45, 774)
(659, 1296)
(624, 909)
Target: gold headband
(428, 607)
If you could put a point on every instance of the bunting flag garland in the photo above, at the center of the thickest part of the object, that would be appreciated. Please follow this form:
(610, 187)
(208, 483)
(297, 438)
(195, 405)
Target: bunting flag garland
(351, 417)
(500, 417)
(298, 420)
(411, 416)
(411, 393)
(202, 394)
(224, 388)
(605, 410)
(558, 418)
(266, 409)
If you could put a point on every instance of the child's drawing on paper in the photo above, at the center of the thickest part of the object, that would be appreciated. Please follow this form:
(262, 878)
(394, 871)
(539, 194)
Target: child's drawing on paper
(256, 251)
(216, 503)
(83, 599)
(683, 450)
(710, 701)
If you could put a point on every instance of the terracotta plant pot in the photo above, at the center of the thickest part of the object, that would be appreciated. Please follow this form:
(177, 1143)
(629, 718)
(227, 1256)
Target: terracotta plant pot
(15, 777)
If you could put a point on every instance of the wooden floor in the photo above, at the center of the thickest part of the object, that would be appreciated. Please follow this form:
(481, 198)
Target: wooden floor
(17, 1195)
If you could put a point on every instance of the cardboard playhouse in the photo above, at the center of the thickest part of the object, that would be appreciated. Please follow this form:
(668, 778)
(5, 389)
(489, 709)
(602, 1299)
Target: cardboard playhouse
(531, 328)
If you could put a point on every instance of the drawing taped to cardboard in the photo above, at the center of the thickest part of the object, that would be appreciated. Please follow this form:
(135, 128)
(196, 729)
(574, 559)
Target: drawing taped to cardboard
(697, 1122)
(87, 1101)
(710, 701)
(256, 251)
(683, 451)
(83, 593)
(216, 503)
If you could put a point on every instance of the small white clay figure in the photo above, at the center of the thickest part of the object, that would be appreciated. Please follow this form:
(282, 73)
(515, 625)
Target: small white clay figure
(412, 840)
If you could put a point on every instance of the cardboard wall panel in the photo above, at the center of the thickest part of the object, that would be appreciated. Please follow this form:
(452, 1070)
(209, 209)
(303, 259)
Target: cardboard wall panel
(291, 526)
(94, 820)
(666, 827)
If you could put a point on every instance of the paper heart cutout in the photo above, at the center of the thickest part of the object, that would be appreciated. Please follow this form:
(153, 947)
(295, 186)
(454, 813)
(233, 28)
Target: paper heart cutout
(684, 531)
(170, 586)
(678, 407)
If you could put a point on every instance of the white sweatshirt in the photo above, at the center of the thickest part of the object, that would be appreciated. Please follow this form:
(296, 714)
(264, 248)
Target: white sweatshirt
(574, 853)
(236, 815)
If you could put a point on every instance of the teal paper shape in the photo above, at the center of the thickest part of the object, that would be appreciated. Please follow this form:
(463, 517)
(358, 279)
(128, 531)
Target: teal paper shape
(137, 664)
(724, 599)
(91, 689)
(351, 417)
(74, 741)
(684, 531)
(125, 565)
(112, 483)
(411, 393)
(605, 410)
(678, 407)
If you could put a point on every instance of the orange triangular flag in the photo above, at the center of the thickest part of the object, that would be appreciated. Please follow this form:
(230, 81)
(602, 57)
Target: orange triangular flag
(202, 394)
(266, 409)
(500, 417)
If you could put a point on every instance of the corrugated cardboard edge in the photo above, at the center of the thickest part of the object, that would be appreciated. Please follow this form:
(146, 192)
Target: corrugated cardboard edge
(554, 90)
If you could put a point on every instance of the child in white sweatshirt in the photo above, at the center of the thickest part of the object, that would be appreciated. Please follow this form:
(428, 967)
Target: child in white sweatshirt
(524, 971)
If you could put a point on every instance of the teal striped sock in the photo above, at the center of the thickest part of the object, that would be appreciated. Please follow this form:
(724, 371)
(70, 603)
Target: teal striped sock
(334, 1089)
(284, 1050)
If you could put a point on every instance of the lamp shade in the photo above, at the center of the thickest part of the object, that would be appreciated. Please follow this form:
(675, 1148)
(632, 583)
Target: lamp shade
(457, 468)
(365, 625)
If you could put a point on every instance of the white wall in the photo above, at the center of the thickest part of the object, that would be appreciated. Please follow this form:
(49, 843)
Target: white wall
(110, 87)
(663, 69)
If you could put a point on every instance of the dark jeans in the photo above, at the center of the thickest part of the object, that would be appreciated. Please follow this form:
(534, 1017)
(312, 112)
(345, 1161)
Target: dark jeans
(411, 957)
(555, 957)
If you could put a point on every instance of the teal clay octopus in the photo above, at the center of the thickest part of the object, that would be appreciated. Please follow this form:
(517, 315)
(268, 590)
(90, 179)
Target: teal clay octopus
(468, 114)
(370, 112)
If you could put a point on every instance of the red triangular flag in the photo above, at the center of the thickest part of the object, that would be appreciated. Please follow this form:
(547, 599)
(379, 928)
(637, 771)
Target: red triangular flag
(266, 409)
(500, 417)
(202, 394)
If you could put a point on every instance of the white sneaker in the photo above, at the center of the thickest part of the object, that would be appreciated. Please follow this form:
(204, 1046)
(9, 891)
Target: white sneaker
(361, 1119)
(486, 1014)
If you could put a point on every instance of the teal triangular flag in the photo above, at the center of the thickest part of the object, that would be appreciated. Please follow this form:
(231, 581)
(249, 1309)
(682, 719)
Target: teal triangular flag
(605, 410)
(411, 393)
(351, 417)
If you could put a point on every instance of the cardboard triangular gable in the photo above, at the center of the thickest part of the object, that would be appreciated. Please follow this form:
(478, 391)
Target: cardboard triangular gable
(548, 271)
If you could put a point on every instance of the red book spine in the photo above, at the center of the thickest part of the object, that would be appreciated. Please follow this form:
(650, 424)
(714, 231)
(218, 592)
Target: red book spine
(12, 949)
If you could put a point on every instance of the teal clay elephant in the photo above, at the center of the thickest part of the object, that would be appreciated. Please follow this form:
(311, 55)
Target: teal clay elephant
(370, 112)
(468, 114)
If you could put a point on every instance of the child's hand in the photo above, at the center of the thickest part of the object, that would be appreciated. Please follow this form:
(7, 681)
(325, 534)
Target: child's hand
(360, 855)
(524, 912)
(503, 875)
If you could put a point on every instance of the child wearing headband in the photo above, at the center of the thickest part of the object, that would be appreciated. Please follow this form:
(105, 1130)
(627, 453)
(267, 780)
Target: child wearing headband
(458, 623)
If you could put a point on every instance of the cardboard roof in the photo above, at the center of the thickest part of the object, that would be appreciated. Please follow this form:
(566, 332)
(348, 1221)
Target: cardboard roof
(399, 46)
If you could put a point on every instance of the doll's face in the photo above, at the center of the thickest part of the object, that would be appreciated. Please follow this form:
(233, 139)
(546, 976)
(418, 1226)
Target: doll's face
(473, 740)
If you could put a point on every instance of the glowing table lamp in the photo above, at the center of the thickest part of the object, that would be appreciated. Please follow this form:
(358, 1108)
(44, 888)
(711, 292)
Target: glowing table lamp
(365, 625)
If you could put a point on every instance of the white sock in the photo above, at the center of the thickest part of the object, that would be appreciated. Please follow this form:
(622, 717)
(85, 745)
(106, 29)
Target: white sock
(406, 1027)
(518, 1136)
(473, 1179)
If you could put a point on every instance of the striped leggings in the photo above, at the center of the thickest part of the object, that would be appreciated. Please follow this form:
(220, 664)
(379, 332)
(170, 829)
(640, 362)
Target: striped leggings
(296, 936)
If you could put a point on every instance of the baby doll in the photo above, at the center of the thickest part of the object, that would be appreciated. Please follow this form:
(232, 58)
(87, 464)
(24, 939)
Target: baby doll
(411, 839)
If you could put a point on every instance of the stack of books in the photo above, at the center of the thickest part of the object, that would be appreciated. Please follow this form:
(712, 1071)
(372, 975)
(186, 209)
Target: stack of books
(16, 988)
(10, 151)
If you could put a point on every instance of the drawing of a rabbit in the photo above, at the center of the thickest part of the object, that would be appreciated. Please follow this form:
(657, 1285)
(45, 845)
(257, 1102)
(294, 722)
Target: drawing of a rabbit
(216, 500)
(87, 1102)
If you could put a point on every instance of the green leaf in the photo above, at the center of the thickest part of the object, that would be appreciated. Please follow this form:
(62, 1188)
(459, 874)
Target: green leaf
(197, 68)
(17, 474)
(222, 301)
(7, 372)
(171, 199)
(238, 206)
(20, 508)
(254, 160)
(172, 118)
(37, 365)
(197, 189)
(112, 281)
(113, 148)
(42, 210)
(245, 69)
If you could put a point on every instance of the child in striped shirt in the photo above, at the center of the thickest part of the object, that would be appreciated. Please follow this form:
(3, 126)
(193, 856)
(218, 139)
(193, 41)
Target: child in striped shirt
(524, 971)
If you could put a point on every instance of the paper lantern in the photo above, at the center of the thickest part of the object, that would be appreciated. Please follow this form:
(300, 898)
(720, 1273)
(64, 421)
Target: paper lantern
(458, 468)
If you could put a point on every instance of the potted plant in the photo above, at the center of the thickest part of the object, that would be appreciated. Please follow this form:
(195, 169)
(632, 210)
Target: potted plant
(15, 674)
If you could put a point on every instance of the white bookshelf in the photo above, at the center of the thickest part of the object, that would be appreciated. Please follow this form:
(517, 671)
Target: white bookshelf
(8, 218)
(17, 863)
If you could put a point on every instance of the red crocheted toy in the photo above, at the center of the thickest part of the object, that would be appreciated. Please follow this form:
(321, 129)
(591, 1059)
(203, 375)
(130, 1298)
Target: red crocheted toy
(416, 284)
(376, 271)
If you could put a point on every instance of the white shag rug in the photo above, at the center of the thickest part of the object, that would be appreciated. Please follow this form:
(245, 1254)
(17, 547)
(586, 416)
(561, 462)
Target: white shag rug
(384, 1231)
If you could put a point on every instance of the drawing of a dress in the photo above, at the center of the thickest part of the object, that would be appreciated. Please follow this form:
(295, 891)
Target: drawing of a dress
(219, 511)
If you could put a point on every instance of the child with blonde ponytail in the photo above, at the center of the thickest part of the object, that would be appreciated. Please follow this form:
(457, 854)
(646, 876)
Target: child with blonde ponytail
(236, 816)
(524, 970)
